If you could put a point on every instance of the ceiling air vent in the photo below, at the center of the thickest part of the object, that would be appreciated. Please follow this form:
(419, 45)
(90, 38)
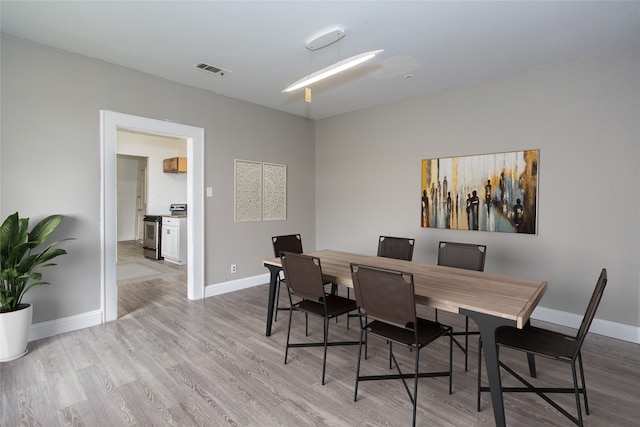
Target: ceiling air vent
(213, 69)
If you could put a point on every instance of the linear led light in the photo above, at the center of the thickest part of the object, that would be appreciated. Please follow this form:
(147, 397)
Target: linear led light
(336, 68)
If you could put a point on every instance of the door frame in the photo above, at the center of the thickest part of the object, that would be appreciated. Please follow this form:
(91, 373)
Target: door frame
(110, 123)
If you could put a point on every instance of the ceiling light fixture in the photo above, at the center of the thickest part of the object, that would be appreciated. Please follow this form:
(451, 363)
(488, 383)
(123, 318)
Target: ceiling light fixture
(333, 69)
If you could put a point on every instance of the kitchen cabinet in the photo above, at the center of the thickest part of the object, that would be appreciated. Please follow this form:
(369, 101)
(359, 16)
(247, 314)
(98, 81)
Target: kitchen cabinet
(174, 240)
(175, 165)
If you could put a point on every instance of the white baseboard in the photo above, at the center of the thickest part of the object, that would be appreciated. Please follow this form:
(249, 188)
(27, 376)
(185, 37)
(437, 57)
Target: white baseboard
(65, 324)
(599, 326)
(236, 285)
(92, 318)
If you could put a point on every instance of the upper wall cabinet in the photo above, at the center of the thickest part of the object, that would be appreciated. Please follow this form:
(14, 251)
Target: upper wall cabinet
(175, 165)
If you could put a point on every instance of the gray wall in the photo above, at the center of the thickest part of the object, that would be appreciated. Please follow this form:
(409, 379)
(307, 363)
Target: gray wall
(50, 162)
(584, 116)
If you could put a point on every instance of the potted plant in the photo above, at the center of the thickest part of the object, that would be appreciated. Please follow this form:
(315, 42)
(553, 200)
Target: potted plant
(19, 273)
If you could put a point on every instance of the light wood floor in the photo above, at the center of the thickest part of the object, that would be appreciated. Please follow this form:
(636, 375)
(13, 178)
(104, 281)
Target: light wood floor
(170, 361)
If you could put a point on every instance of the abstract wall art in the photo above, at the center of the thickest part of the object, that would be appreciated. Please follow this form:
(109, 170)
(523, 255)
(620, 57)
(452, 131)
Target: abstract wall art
(487, 192)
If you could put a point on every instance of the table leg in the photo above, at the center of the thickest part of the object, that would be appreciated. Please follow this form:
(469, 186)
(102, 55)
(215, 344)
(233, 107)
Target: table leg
(488, 325)
(275, 272)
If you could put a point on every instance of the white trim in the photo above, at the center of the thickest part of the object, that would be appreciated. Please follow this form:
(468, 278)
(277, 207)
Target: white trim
(110, 122)
(236, 285)
(599, 326)
(65, 324)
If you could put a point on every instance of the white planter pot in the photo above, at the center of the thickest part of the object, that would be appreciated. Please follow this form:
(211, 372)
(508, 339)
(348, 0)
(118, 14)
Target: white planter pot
(14, 333)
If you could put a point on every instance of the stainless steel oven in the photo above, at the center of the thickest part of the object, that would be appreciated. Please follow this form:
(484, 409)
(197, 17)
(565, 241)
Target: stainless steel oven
(152, 243)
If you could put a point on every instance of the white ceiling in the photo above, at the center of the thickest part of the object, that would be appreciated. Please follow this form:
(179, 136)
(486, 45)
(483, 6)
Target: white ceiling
(441, 44)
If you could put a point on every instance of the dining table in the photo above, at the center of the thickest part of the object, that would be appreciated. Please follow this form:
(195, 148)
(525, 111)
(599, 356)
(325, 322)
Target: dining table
(491, 300)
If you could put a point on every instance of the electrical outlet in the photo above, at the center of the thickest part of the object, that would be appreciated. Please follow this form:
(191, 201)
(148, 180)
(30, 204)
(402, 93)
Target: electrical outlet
(233, 268)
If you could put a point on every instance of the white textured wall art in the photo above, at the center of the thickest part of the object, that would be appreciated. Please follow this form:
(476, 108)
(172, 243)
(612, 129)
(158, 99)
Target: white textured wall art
(274, 191)
(260, 191)
(248, 191)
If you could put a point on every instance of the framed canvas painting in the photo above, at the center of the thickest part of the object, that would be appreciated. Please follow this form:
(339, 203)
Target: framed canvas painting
(487, 192)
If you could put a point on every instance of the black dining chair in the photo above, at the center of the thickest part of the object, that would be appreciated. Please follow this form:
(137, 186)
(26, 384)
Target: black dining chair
(470, 257)
(396, 247)
(393, 247)
(304, 280)
(387, 308)
(289, 243)
(553, 345)
(285, 243)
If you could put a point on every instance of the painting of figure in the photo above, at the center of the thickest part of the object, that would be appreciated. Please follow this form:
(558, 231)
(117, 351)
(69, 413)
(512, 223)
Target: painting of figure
(487, 192)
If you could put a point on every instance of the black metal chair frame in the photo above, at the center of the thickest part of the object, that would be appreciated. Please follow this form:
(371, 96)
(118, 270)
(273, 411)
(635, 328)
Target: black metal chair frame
(387, 297)
(304, 279)
(477, 254)
(552, 345)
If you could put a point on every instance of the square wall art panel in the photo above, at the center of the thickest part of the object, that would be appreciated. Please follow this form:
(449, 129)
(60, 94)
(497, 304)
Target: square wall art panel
(260, 191)
(487, 192)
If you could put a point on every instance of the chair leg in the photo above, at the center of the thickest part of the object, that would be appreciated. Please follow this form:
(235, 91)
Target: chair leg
(415, 385)
(306, 325)
(450, 361)
(355, 393)
(347, 313)
(390, 353)
(286, 348)
(479, 369)
(584, 386)
(576, 392)
(366, 337)
(326, 334)
(466, 343)
(532, 365)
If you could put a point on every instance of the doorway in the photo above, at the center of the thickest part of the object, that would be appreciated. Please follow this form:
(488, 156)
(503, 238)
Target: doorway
(111, 122)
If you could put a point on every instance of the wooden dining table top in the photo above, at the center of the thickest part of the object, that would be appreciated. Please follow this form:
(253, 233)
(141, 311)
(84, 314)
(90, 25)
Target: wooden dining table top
(444, 288)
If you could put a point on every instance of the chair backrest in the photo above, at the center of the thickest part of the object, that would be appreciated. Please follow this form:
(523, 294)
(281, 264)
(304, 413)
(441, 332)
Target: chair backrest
(396, 247)
(591, 308)
(287, 243)
(385, 295)
(462, 255)
(304, 275)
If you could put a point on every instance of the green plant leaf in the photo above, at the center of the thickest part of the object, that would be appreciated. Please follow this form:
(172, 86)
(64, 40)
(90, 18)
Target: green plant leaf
(44, 228)
(19, 265)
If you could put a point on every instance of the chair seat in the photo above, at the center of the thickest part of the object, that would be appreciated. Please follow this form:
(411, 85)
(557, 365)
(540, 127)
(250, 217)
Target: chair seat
(336, 305)
(539, 341)
(428, 331)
